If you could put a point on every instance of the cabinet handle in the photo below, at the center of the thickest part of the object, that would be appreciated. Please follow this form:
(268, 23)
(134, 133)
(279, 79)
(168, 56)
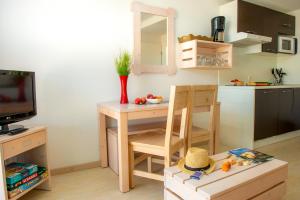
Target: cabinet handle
(268, 92)
(287, 25)
(251, 32)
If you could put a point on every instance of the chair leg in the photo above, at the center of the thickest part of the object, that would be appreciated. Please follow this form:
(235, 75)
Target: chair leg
(182, 152)
(210, 149)
(131, 167)
(211, 145)
(149, 164)
(167, 161)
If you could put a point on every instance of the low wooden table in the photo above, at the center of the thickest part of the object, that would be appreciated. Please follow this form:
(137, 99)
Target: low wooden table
(265, 181)
(124, 113)
(30, 147)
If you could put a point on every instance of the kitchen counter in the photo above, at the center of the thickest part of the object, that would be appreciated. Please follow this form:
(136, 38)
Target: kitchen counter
(252, 116)
(261, 87)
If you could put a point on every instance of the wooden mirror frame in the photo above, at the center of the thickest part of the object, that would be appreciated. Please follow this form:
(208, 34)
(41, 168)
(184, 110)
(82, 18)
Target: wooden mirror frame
(137, 67)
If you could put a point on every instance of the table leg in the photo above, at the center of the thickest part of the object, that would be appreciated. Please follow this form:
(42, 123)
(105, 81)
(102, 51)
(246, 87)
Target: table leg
(103, 140)
(217, 129)
(3, 191)
(123, 152)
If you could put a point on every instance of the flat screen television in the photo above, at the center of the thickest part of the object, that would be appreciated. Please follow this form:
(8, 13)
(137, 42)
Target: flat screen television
(17, 97)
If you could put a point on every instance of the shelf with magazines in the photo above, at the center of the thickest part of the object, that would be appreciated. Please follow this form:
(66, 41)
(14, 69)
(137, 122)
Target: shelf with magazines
(28, 190)
(24, 163)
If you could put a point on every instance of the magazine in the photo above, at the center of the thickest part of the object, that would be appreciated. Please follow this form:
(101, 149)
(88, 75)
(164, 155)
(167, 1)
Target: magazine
(42, 174)
(15, 172)
(252, 155)
(25, 180)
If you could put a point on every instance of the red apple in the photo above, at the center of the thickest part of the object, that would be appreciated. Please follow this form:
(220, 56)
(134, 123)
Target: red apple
(150, 96)
(137, 101)
(143, 100)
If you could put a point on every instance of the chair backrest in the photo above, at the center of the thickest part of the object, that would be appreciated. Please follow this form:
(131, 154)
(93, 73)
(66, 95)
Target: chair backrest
(203, 96)
(179, 104)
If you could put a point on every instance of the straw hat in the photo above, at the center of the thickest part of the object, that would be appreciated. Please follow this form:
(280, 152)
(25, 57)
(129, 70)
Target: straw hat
(196, 159)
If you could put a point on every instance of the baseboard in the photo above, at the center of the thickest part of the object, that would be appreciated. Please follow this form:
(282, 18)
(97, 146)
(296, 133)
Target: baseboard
(75, 168)
(275, 139)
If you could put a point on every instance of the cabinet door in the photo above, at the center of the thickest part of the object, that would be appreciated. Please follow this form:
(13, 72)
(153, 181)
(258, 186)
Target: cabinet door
(250, 18)
(285, 114)
(271, 47)
(296, 109)
(285, 24)
(270, 30)
(266, 113)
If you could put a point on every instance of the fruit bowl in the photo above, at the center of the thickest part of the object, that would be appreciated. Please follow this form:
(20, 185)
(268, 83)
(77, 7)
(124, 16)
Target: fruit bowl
(155, 101)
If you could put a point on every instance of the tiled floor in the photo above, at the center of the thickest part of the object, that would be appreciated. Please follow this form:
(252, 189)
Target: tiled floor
(98, 184)
(289, 151)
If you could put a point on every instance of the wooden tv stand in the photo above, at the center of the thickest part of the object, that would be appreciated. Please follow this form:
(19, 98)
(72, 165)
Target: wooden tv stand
(29, 146)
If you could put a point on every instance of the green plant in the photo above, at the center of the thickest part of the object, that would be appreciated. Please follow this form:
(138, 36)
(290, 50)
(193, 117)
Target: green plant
(123, 62)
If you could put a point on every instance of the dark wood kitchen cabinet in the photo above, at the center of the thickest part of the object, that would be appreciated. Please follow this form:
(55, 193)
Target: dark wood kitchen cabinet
(252, 18)
(285, 24)
(270, 30)
(266, 113)
(277, 23)
(271, 47)
(277, 111)
(249, 18)
(296, 110)
(285, 111)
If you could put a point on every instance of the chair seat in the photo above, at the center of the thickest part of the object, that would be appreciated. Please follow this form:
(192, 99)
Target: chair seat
(199, 134)
(153, 141)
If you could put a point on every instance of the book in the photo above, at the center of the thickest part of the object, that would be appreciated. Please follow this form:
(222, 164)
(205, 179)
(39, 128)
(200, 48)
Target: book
(15, 172)
(27, 185)
(23, 187)
(40, 171)
(25, 180)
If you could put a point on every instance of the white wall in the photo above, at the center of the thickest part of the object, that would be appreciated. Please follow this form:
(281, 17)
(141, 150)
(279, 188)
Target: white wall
(71, 45)
(256, 66)
(291, 63)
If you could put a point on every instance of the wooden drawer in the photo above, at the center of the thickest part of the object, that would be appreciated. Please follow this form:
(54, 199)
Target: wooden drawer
(147, 114)
(20, 145)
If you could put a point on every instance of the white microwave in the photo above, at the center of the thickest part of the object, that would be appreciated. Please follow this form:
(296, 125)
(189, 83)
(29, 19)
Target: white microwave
(287, 44)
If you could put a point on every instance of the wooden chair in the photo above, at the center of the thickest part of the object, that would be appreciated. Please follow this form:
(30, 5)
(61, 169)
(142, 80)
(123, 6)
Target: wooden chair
(203, 95)
(162, 142)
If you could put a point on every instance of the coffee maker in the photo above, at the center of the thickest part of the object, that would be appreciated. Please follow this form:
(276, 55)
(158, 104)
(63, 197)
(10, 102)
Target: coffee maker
(217, 28)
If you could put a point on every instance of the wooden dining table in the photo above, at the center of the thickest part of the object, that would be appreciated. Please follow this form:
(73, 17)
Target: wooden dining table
(123, 113)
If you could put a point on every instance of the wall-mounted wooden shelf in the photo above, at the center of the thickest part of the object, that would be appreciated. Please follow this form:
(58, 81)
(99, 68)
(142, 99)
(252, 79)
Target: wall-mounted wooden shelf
(205, 55)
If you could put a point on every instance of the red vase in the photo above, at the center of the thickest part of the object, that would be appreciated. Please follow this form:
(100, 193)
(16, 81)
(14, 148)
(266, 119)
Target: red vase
(124, 97)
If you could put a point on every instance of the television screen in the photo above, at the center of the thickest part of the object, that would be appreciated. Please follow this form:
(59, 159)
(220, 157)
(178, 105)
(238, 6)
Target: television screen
(17, 95)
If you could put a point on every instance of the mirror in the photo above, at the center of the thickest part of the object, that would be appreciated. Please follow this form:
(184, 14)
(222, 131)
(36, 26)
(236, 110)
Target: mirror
(153, 39)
